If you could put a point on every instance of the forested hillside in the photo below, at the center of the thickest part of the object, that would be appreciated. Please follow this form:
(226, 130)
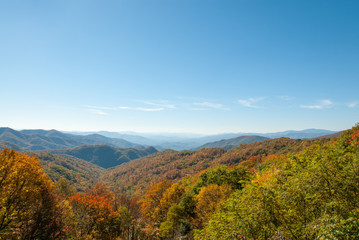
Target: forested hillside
(233, 142)
(104, 155)
(277, 189)
(135, 176)
(80, 173)
(35, 140)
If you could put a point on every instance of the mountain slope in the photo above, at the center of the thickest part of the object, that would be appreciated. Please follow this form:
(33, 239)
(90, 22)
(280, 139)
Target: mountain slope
(35, 140)
(233, 142)
(135, 176)
(301, 134)
(80, 173)
(91, 139)
(104, 155)
(334, 135)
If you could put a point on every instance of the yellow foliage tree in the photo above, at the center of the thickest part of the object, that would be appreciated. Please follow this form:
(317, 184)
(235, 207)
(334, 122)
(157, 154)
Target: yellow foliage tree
(171, 196)
(208, 200)
(28, 207)
(151, 200)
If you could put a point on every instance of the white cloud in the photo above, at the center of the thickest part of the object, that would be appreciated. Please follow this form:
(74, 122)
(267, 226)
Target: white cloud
(101, 110)
(100, 107)
(250, 102)
(149, 109)
(321, 105)
(123, 108)
(198, 109)
(210, 105)
(352, 104)
(97, 111)
(163, 104)
(286, 98)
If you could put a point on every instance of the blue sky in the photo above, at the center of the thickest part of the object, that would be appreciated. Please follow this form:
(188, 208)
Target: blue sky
(200, 66)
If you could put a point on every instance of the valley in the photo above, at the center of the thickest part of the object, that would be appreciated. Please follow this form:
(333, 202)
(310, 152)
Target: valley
(143, 193)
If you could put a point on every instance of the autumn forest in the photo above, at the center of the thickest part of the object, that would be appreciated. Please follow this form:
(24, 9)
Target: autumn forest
(274, 189)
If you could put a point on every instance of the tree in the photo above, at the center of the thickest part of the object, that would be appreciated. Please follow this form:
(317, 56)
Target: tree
(208, 200)
(311, 195)
(96, 218)
(64, 188)
(28, 204)
(150, 203)
(171, 228)
(171, 196)
(235, 177)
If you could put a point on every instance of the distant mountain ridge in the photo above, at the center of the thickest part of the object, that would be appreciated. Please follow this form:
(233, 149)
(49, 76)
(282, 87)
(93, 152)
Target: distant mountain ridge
(180, 142)
(334, 135)
(104, 155)
(301, 134)
(233, 142)
(37, 140)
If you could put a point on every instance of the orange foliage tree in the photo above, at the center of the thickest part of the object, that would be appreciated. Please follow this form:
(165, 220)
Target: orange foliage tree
(96, 218)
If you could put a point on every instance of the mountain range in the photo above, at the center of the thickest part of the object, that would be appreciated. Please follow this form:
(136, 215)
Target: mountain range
(180, 142)
(71, 155)
(37, 140)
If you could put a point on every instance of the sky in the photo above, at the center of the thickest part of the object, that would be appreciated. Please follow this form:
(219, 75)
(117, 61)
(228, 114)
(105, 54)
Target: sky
(194, 66)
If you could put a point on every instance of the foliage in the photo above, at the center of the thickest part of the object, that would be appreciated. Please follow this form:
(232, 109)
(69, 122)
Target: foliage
(105, 156)
(172, 227)
(235, 177)
(96, 218)
(278, 189)
(80, 174)
(28, 206)
(134, 177)
(312, 195)
(64, 189)
(208, 200)
(233, 142)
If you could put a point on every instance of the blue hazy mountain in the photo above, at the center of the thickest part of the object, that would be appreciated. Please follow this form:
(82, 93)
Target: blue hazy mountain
(35, 140)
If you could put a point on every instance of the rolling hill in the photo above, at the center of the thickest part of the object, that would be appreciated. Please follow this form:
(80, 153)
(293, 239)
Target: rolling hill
(135, 176)
(233, 142)
(104, 155)
(80, 173)
(37, 140)
(334, 135)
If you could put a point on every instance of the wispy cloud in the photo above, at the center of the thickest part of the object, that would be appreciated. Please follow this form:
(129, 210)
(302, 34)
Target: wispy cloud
(122, 108)
(285, 98)
(251, 102)
(149, 109)
(161, 104)
(352, 104)
(97, 111)
(321, 105)
(210, 105)
(101, 110)
(198, 109)
(100, 107)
